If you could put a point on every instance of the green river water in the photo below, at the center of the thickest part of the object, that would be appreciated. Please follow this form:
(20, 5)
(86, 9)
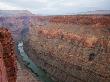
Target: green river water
(42, 75)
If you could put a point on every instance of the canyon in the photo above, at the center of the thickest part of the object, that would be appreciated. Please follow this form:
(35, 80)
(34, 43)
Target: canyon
(69, 48)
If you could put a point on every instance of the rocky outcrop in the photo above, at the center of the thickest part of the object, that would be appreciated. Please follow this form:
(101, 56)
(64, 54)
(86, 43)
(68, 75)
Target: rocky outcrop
(8, 68)
(18, 26)
(72, 52)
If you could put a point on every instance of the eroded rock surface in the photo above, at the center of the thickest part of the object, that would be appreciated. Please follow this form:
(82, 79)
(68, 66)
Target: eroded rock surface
(8, 69)
(18, 26)
(25, 75)
(71, 48)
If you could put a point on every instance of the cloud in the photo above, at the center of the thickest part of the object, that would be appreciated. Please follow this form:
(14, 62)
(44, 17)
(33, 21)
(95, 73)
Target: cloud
(4, 6)
(69, 4)
(82, 3)
(55, 6)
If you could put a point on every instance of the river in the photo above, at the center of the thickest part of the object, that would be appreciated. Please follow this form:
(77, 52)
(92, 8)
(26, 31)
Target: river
(40, 73)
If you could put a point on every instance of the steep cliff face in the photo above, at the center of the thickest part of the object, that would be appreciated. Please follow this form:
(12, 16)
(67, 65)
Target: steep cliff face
(7, 57)
(71, 52)
(16, 25)
(3, 75)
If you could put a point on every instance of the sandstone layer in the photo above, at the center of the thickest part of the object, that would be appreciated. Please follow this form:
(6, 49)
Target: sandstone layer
(8, 69)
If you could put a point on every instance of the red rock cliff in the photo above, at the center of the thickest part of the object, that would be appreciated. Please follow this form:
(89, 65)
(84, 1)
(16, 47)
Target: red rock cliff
(7, 57)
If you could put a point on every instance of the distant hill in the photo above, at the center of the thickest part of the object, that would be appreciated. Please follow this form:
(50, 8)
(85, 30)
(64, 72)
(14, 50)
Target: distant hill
(15, 13)
(98, 12)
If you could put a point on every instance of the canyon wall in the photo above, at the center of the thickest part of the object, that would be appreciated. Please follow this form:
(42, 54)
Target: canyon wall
(18, 26)
(8, 69)
(71, 48)
(84, 19)
(97, 20)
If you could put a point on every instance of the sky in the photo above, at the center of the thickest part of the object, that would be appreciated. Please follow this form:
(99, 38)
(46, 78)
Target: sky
(54, 7)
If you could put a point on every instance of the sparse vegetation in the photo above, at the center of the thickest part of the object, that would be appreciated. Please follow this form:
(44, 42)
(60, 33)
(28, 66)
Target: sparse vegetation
(70, 43)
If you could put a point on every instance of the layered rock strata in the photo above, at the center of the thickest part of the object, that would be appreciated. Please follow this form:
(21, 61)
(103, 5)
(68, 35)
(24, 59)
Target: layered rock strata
(8, 69)
(72, 52)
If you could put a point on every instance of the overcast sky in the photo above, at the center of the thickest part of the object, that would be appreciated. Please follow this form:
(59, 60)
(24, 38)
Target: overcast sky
(55, 6)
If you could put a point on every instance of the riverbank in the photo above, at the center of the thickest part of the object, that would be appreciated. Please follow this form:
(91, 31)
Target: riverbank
(38, 71)
(24, 74)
